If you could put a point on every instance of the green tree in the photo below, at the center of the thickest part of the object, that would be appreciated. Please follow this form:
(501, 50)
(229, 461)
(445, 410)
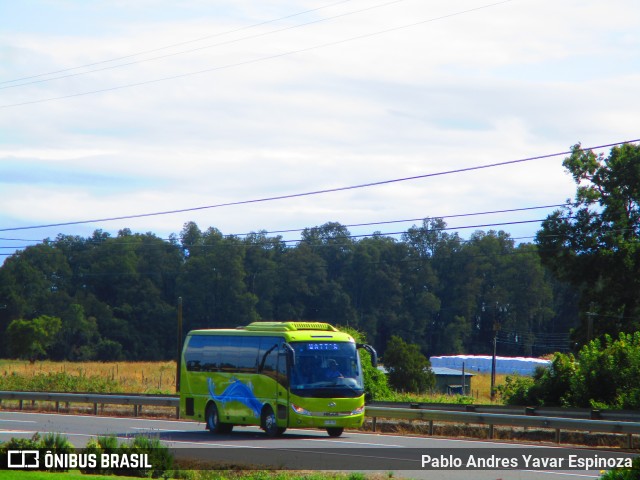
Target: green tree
(331, 243)
(434, 253)
(30, 339)
(77, 336)
(261, 262)
(409, 370)
(212, 280)
(374, 283)
(302, 277)
(595, 243)
(33, 282)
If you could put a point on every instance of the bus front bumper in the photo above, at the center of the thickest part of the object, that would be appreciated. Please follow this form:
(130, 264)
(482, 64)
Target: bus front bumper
(325, 419)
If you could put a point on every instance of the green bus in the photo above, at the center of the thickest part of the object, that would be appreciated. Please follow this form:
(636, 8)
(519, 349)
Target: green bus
(275, 375)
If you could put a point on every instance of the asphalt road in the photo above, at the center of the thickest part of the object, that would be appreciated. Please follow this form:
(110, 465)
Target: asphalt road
(312, 449)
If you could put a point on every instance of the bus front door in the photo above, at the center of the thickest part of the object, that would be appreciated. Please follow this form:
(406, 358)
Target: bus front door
(282, 393)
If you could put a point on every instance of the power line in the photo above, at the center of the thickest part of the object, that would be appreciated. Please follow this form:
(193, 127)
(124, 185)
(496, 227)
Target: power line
(258, 35)
(271, 232)
(300, 240)
(315, 192)
(387, 222)
(220, 34)
(255, 60)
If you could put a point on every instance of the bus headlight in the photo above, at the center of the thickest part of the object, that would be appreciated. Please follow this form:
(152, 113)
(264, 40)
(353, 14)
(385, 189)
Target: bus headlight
(300, 410)
(358, 411)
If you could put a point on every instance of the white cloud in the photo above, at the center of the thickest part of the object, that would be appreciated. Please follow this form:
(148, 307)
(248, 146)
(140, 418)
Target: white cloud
(512, 81)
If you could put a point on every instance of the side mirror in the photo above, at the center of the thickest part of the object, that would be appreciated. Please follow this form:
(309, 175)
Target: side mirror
(372, 352)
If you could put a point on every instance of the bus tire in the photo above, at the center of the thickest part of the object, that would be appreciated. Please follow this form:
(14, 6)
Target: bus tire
(213, 420)
(335, 431)
(269, 424)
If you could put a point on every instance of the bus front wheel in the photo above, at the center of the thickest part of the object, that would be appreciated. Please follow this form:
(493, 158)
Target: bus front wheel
(335, 431)
(213, 420)
(269, 424)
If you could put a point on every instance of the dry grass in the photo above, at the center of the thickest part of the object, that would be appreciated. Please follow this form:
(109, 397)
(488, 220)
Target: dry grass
(130, 377)
(481, 386)
(480, 393)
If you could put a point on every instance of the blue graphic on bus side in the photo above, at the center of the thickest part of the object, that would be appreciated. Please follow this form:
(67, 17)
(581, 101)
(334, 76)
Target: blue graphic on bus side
(236, 392)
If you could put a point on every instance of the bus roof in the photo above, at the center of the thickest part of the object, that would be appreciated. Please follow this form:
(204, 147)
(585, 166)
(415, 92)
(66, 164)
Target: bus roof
(291, 331)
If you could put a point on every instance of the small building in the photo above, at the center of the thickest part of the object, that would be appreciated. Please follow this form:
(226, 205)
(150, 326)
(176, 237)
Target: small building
(450, 381)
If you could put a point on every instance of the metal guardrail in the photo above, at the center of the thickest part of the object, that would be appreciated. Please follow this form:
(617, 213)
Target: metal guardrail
(472, 414)
(586, 413)
(495, 419)
(137, 401)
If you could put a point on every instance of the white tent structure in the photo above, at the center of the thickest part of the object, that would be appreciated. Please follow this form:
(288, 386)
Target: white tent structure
(482, 363)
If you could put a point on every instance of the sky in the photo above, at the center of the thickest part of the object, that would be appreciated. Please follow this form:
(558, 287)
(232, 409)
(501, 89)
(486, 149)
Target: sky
(120, 109)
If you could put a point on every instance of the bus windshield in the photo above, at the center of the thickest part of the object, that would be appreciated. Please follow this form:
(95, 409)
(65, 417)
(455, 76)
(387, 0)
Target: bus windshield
(326, 369)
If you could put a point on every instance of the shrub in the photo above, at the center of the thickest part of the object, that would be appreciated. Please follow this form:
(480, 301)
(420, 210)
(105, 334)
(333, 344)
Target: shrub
(32, 443)
(103, 444)
(158, 454)
(608, 373)
(632, 473)
(516, 390)
(159, 457)
(604, 375)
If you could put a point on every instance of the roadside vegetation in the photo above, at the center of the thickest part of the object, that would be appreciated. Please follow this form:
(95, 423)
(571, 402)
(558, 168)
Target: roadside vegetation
(603, 375)
(162, 463)
(202, 475)
(95, 377)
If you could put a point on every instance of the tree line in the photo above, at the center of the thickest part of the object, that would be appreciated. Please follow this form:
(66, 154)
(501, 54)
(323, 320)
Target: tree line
(114, 297)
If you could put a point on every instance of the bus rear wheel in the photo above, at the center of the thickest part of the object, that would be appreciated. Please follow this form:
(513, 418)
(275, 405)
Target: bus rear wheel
(213, 420)
(335, 431)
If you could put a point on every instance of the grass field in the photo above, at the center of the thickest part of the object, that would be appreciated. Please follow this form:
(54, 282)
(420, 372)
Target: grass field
(121, 377)
(155, 378)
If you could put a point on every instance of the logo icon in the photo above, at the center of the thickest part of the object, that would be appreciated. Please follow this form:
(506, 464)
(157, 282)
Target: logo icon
(23, 459)
(332, 404)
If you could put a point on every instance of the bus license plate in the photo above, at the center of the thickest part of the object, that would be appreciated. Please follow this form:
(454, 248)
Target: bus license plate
(329, 422)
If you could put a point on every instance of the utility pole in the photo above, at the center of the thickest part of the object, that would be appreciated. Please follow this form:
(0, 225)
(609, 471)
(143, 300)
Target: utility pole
(493, 367)
(463, 380)
(179, 346)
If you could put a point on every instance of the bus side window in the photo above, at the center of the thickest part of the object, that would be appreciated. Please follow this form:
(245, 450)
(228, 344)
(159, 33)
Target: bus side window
(210, 352)
(248, 355)
(192, 355)
(268, 356)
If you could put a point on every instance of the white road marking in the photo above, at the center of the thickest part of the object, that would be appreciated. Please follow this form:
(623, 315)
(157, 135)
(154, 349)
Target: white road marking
(152, 429)
(333, 441)
(563, 473)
